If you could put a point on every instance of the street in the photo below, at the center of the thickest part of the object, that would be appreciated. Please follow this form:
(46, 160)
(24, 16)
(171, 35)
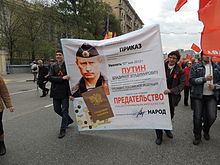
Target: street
(31, 137)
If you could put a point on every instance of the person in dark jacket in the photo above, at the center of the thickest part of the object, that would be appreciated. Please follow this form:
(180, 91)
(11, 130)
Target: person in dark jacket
(42, 78)
(205, 81)
(175, 84)
(187, 87)
(60, 91)
(51, 63)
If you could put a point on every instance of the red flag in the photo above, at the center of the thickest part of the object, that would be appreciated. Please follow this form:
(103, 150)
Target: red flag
(179, 4)
(188, 57)
(203, 3)
(106, 36)
(195, 48)
(115, 34)
(209, 15)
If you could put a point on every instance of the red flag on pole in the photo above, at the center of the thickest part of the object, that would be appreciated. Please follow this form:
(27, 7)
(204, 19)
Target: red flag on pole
(209, 15)
(195, 48)
(115, 34)
(203, 3)
(179, 4)
(106, 36)
(188, 57)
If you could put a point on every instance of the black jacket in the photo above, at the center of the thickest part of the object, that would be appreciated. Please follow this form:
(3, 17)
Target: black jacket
(197, 79)
(43, 71)
(59, 88)
(175, 82)
(81, 86)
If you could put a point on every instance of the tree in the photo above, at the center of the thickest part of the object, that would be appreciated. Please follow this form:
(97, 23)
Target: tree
(33, 21)
(10, 24)
(84, 19)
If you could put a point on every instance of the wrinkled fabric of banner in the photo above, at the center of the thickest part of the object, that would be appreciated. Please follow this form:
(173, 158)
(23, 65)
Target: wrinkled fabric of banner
(132, 68)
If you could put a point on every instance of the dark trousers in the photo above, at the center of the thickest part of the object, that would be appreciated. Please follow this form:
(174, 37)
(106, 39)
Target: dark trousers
(187, 90)
(42, 86)
(159, 132)
(61, 107)
(204, 115)
(1, 124)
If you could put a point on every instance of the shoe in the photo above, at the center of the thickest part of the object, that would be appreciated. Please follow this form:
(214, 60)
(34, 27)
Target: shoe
(2, 148)
(70, 122)
(43, 95)
(197, 141)
(47, 91)
(169, 134)
(186, 104)
(62, 133)
(158, 141)
(206, 136)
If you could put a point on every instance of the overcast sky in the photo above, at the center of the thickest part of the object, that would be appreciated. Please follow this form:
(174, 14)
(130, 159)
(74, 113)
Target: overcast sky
(178, 29)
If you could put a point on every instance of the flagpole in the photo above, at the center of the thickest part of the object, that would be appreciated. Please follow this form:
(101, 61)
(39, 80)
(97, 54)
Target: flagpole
(210, 69)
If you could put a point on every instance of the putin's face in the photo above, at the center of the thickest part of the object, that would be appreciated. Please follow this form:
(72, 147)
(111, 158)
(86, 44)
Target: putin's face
(89, 67)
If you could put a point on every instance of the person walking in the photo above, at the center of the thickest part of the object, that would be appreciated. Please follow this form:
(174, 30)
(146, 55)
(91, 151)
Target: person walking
(205, 81)
(175, 77)
(60, 91)
(4, 100)
(34, 70)
(51, 62)
(42, 78)
(187, 87)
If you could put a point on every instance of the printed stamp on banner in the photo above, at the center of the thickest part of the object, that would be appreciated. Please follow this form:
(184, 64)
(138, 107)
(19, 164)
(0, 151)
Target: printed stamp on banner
(98, 104)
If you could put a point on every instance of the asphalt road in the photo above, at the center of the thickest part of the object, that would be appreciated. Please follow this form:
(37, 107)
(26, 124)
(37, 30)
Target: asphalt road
(31, 137)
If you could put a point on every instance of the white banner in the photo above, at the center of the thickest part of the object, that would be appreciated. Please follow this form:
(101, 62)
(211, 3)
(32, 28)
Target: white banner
(130, 68)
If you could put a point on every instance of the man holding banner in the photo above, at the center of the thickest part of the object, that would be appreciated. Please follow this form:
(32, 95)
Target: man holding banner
(205, 80)
(175, 84)
(60, 91)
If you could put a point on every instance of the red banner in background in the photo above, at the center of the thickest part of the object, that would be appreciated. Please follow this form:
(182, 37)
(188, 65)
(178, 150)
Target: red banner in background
(209, 15)
(216, 59)
(179, 4)
(203, 3)
(195, 48)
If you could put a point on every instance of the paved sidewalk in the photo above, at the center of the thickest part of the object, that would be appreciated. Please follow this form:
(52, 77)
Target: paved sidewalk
(18, 77)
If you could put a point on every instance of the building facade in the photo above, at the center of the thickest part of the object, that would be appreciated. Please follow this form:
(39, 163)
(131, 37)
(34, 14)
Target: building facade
(123, 10)
(191, 53)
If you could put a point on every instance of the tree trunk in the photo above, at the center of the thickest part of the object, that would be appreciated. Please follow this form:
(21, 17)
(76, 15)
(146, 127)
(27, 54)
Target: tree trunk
(10, 49)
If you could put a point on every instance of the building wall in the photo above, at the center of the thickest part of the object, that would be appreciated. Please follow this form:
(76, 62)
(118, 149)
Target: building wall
(3, 62)
(123, 10)
(184, 53)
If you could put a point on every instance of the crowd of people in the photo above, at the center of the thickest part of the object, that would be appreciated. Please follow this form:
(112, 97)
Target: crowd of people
(201, 80)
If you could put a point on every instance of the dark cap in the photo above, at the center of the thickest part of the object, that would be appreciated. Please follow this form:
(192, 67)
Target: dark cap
(174, 53)
(87, 51)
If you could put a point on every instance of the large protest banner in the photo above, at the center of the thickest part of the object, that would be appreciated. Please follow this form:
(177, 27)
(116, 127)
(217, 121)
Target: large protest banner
(118, 83)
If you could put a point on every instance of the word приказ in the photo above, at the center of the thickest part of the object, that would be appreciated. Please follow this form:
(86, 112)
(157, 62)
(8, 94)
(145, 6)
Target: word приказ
(131, 47)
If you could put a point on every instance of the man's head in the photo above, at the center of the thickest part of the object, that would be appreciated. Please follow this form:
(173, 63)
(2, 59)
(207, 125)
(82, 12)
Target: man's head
(88, 61)
(40, 62)
(205, 58)
(174, 57)
(59, 56)
(189, 63)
